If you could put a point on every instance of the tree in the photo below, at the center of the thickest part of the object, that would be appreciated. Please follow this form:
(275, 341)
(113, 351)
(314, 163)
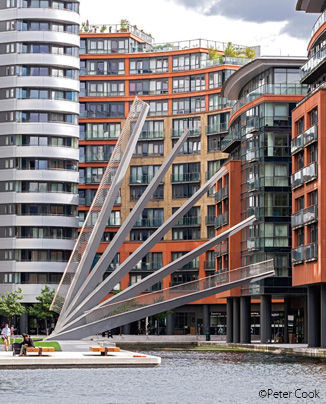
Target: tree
(230, 50)
(10, 305)
(42, 310)
(212, 53)
(250, 53)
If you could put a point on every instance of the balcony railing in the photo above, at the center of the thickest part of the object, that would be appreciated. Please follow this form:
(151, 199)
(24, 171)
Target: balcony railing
(185, 177)
(149, 223)
(210, 220)
(305, 217)
(114, 222)
(222, 220)
(297, 144)
(253, 244)
(144, 135)
(90, 135)
(189, 221)
(310, 135)
(179, 132)
(310, 172)
(222, 194)
(95, 157)
(305, 139)
(313, 63)
(232, 139)
(305, 253)
(291, 89)
(209, 265)
(147, 266)
(218, 128)
(141, 179)
(221, 249)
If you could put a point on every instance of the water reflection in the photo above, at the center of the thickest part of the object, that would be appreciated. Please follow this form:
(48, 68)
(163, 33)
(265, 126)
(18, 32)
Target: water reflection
(204, 377)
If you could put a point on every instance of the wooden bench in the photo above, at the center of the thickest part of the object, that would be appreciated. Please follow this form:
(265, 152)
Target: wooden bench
(40, 350)
(103, 349)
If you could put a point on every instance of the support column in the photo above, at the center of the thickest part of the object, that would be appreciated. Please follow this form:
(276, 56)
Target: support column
(206, 319)
(236, 320)
(323, 315)
(229, 320)
(305, 319)
(265, 319)
(245, 311)
(286, 320)
(126, 329)
(23, 323)
(313, 316)
(170, 324)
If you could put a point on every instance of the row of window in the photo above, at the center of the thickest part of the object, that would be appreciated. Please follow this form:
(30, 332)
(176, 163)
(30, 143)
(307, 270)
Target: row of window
(39, 232)
(34, 117)
(55, 4)
(33, 186)
(35, 255)
(39, 71)
(21, 25)
(30, 140)
(28, 209)
(39, 94)
(32, 48)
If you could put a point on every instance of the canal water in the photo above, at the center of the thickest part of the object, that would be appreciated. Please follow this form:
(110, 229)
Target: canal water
(203, 377)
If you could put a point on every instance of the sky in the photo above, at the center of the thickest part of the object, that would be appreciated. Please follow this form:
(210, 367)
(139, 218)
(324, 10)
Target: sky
(273, 24)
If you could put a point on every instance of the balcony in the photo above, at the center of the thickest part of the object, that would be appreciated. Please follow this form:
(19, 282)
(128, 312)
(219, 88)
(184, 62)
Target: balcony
(291, 89)
(297, 144)
(210, 220)
(230, 142)
(222, 220)
(305, 253)
(185, 177)
(95, 157)
(114, 222)
(188, 221)
(221, 249)
(145, 135)
(304, 217)
(297, 179)
(253, 244)
(147, 266)
(93, 135)
(314, 68)
(252, 184)
(141, 179)
(222, 194)
(310, 172)
(149, 222)
(216, 129)
(310, 135)
(175, 133)
(209, 265)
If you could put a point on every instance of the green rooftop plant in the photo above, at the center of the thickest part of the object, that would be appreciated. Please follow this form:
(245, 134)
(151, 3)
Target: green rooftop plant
(124, 24)
(84, 26)
(212, 53)
(103, 28)
(230, 50)
(249, 53)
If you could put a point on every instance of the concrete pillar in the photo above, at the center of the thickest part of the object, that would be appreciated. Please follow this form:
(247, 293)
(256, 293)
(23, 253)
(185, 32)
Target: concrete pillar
(229, 320)
(23, 323)
(323, 315)
(170, 324)
(313, 316)
(286, 320)
(236, 320)
(126, 329)
(265, 319)
(206, 318)
(245, 319)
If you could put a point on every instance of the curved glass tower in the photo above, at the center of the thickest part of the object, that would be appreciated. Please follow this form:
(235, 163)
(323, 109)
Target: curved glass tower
(39, 76)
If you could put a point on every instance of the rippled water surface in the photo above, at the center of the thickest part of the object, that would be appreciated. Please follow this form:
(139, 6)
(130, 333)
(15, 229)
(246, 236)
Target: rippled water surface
(184, 377)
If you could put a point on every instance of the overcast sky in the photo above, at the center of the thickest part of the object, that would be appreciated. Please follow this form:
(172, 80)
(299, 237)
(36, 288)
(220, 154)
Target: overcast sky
(274, 24)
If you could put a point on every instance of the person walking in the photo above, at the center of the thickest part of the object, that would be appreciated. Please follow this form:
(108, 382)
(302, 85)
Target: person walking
(5, 333)
(27, 342)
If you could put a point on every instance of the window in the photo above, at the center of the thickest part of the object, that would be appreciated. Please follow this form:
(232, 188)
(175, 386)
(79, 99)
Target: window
(158, 108)
(184, 190)
(188, 105)
(314, 117)
(144, 149)
(192, 124)
(300, 126)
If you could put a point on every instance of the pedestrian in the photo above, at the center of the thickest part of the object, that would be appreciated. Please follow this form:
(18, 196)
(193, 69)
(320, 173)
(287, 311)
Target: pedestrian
(5, 334)
(110, 334)
(27, 342)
